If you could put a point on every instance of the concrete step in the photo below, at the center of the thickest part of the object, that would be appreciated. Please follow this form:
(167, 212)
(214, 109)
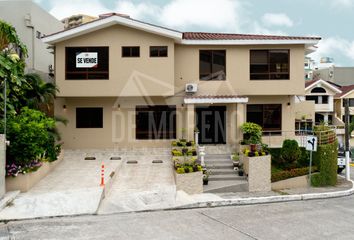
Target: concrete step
(241, 187)
(232, 177)
(220, 167)
(217, 156)
(219, 162)
(223, 172)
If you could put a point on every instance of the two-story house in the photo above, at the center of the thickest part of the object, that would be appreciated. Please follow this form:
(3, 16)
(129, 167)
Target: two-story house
(127, 83)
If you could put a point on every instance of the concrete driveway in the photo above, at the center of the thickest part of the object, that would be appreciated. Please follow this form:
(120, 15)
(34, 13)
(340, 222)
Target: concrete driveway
(72, 188)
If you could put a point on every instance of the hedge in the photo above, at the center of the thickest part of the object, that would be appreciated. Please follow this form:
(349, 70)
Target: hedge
(326, 161)
(295, 172)
(303, 161)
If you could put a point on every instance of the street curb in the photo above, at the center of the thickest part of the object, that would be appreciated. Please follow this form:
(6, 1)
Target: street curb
(271, 199)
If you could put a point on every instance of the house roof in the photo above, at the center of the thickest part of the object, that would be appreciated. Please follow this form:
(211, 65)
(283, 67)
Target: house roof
(346, 90)
(196, 38)
(334, 87)
(233, 36)
(210, 99)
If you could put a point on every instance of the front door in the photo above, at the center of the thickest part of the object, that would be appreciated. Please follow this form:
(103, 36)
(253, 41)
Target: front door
(211, 122)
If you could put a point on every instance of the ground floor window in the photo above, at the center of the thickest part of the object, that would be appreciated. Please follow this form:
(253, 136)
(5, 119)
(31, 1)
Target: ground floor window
(89, 117)
(155, 122)
(268, 116)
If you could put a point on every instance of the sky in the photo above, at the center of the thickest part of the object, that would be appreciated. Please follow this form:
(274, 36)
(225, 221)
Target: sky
(329, 19)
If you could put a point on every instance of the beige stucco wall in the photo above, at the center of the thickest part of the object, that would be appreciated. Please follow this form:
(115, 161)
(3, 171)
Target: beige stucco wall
(142, 76)
(119, 120)
(238, 71)
(305, 109)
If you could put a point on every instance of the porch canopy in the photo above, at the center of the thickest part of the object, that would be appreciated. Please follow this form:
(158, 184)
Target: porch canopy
(211, 99)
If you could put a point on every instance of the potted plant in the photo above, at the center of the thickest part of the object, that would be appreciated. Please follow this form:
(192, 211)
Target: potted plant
(240, 170)
(235, 159)
(206, 174)
(252, 133)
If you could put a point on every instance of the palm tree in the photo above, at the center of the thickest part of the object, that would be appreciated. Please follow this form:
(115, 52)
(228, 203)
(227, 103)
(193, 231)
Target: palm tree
(40, 94)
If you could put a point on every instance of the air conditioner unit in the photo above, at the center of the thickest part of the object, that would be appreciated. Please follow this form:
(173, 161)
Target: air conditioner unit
(191, 87)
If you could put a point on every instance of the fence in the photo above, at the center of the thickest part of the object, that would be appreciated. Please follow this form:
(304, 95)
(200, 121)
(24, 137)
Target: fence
(275, 139)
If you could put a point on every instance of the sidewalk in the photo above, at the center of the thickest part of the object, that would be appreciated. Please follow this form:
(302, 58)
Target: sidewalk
(141, 186)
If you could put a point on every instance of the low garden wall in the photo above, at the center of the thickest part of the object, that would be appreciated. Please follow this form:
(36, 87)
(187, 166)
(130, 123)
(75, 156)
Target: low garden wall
(258, 170)
(191, 183)
(24, 182)
(296, 182)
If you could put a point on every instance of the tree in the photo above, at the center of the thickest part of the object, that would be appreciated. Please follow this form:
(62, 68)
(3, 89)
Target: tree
(40, 94)
(12, 55)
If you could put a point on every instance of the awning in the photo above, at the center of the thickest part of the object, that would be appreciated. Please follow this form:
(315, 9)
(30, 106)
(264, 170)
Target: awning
(211, 99)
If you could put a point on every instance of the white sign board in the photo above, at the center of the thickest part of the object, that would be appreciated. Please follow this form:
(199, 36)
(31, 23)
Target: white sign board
(311, 143)
(86, 60)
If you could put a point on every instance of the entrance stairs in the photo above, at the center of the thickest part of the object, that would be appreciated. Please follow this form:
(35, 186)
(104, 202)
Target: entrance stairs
(223, 178)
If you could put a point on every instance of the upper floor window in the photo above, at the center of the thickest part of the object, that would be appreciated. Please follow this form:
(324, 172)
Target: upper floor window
(318, 90)
(350, 102)
(212, 65)
(158, 51)
(87, 63)
(130, 51)
(269, 64)
(318, 99)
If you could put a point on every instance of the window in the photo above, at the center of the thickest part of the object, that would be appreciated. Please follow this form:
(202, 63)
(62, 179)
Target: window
(130, 51)
(312, 98)
(212, 65)
(350, 102)
(318, 99)
(155, 122)
(318, 90)
(89, 117)
(158, 51)
(74, 71)
(269, 64)
(266, 115)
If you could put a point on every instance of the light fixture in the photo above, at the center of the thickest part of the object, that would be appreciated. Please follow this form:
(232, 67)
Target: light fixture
(64, 107)
(118, 107)
(288, 103)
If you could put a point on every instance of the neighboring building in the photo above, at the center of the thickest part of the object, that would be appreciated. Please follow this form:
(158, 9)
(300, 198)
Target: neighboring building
(323, 94)
(343, 76)
(32, 23)
(77, 20)
(309, 65)
(126, 83)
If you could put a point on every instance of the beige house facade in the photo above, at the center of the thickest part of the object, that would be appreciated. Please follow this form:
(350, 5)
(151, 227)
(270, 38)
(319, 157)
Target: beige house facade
(126, 83)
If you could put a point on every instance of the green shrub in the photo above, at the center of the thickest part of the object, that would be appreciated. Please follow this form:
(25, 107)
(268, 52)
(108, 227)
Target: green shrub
(252, 132)
(290, 152)
(30, 134)
(304, 160)
(295, 172)
(180, 170)
(326, 161)
(275, 153)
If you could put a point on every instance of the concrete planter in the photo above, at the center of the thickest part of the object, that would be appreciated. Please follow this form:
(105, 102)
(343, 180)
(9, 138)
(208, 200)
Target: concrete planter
(191, 183)
(24, 182)
(296, 182)
(258, 170)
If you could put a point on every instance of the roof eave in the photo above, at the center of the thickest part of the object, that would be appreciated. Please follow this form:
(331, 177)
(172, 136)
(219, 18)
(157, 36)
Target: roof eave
(325, 83)
(248, 42)
(107, 22)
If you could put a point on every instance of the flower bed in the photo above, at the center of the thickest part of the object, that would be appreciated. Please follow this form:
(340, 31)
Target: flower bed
(24, 182)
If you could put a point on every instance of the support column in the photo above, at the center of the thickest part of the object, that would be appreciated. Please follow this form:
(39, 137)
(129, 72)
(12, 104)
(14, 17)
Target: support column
(231, 126)
(240, 119)
(190, 122)
(325, 118)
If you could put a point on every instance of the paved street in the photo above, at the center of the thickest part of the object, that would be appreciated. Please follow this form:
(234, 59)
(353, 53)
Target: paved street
(320, 219)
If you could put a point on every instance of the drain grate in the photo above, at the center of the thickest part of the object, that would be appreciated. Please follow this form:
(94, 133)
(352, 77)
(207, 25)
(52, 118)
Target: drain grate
(132, 162)
(90, 158)
(115, 158)
(157, 161)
